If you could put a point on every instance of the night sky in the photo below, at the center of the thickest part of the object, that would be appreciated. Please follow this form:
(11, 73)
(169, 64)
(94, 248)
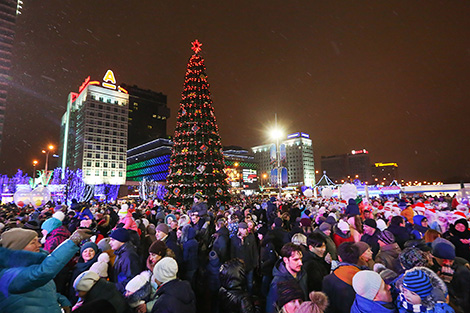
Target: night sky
(392, 77)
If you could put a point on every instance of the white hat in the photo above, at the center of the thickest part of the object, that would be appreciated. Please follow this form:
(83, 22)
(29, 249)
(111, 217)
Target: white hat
(100, 267)
(165, 270)
(343, 226)
(85, 281)
(381, 224)
(367, 284)
(59, 215)
(138, 281)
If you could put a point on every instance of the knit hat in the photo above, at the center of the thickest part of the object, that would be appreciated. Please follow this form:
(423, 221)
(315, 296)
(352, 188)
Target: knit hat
(381, 225)
(138, 281)
(343, 226)
(85, 281)
(51, 224)
(163, 228)
(100, 267)
(242, 225)
(325, 226)
(443, 249)
(165, 270)
(367, 284)
(87, 245)
(17, 238)
(371, 223)
(158, 247)
(386, 237)
(418, 282)
(299, 239)
(362, 246)
(59, 215)
(412, 257)
(287, 291)
(120, 234)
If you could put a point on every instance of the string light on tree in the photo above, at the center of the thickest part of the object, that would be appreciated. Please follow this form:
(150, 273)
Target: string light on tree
(197, 162)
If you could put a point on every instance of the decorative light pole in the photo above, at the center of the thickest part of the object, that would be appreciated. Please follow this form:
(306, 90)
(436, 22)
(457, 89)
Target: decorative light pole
(35, 162)
(276, 133)
(49, 149)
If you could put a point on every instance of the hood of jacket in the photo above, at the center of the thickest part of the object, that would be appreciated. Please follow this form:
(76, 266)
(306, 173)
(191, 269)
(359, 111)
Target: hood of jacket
(188, 233)
(232, 276)
(340, 233)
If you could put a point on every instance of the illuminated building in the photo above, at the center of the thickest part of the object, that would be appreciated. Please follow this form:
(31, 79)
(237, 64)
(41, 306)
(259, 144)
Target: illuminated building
(389, 171)
(148, 113)
(241, 168)
(350, 166)
(9, 9)
(299, 159)
(150, 161)
(94, 131)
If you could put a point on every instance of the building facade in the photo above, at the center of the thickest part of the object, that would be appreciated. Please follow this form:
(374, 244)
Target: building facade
(148, 113)
(94, 131)
(241, 168)
(298, 160)
(346, 167)
(9, 9)
(385, 173)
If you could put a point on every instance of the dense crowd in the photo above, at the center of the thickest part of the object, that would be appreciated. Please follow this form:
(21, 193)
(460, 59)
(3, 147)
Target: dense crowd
(408, 254)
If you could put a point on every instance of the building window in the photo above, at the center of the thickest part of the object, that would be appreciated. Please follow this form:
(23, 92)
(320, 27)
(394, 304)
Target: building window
(112, 174)
(88, 173)
(101, 99)
(97, 164)
(97, 173)
(105, 164)
(88, 163)
(120, 174)
(105, 173)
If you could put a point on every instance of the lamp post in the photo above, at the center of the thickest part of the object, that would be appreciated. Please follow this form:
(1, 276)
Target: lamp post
(35, 162)
(276, 133)
(49, 149)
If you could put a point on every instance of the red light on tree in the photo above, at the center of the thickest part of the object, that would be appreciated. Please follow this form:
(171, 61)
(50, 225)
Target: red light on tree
(196, 46)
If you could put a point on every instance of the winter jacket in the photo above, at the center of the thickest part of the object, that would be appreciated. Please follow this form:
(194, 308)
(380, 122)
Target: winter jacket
(175, 296)
(271, 212)
(126, 265)
(26, 279)
(316, 269)
(55, 238)
(388, 256)
(461, 249)
(190, 249)
(418, 230)
(338, 287)
(104, 290)
(339, 237)
(372, 241)
(248, 251)
(281, 274)
(280, 238)
(233, 297)
(363, 305)
(435, 303)
(352, 209)
(200, 208)
(221, 244)
(330, 244)
(79, 268)
(400, 233)
(268, 255)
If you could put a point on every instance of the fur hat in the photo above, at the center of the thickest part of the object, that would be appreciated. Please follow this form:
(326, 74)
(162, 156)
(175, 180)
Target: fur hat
(85, 281)
(367, 284)
(100, 267)
(165, 270)
(17, 238)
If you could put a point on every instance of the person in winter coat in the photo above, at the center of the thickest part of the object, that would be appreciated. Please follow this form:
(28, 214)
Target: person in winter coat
(221, 241)
(352, 209)
(370, 236)
(190, 256)
(372, 294)
(199, 205)
(54, 232)
(244, 247)
(389, 252)
(92, 290)
(268, 258)
(459, 235)
(398, 229)
(173, 295)
(325, 230)
(318, 302)
(127, 263)
(89, 253)
(420, 226)
(342, 233)
(233, 296)
(315, 265)
(421, 290)
(288, 268)
(338, 285)
(26, 273)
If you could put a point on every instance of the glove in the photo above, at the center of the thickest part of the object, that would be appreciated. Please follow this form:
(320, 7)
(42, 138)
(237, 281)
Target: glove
(80, 234)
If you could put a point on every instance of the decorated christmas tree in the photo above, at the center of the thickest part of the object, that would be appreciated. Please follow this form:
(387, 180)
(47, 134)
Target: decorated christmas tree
(197, 162)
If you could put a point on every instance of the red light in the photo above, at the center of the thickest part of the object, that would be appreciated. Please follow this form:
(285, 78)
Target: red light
(85, 83)
(196, 46)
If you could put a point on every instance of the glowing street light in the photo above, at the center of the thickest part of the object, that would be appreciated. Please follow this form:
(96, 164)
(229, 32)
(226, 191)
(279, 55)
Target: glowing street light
(49, 149)
(35, 162)
(277, 133)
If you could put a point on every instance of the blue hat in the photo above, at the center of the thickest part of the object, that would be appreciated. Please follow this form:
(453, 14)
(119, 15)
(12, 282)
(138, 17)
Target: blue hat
(120, 234)
(87, 245)
(418, 282)
(50, 224)
(444, 250)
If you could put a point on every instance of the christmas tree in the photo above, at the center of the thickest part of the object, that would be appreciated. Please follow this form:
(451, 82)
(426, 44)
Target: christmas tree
(197, 162)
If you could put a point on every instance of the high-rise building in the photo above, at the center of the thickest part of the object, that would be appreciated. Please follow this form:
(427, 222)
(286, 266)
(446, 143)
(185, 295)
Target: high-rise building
(9, 9)
(94, 131)
(299, 157)
(350, 166)
(384, 172)
(148, 113)
(241, 168)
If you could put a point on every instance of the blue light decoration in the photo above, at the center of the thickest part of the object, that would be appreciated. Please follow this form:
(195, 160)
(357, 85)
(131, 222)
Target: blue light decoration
(161, 192)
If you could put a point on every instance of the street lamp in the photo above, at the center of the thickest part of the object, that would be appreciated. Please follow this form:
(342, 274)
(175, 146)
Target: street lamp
(35, 162)
(276, 133)
(49, 149)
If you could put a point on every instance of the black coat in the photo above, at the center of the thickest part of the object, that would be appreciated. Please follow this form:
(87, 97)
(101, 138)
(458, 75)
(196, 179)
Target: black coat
(372, 241)
(221, 244)
(233, 297)
(316, 269)
(401, 234)
(175, 296)
(248, 251)
(126, 266)
(104, 290)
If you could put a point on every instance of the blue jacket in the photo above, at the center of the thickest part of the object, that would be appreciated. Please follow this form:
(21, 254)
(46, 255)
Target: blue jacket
(363, 305)
(27, 279)
(126, 266)
(190, 249)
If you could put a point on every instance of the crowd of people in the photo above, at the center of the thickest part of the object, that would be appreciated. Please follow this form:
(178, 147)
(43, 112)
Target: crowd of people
(255, 254)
